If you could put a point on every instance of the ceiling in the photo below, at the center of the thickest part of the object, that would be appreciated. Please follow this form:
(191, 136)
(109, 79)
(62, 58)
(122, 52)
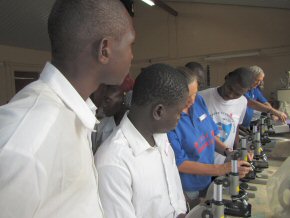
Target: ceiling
(283, 4)
(23, 23)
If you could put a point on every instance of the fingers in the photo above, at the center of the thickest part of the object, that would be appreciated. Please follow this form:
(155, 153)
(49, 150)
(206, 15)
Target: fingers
(242, 163)
(284, 117)
(244, 168)
(275, 118)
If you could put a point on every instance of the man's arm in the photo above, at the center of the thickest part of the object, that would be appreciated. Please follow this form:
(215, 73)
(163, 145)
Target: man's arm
(116, 191)
(22, 182)
(185, 165)
(237, 139)
(196, 168)
(266, 107)
(221, 147)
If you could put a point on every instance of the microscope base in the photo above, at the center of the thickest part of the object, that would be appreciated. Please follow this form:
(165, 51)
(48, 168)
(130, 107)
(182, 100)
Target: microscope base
(265, 140)
(260, 164)
(237, 209)
(247, 187)
(250, 176)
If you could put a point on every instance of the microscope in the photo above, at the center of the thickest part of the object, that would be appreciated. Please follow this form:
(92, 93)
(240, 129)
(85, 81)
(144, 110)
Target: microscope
(238, 206)
(260, 158)
(244, 156)
(212, 208)
(264, 129)
(270, 124)
(235, 202)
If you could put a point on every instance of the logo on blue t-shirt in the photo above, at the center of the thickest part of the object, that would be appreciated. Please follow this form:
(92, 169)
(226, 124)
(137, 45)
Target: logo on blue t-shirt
(226, 125)
(225, 130)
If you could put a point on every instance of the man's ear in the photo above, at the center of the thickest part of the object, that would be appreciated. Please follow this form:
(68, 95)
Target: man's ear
(104, 50)
(158, 111)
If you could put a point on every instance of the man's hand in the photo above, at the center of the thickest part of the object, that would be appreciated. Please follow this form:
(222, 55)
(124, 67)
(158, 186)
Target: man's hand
(228, 151)
(244, 168)
(274, 117)
(281, 115)
(228, 154)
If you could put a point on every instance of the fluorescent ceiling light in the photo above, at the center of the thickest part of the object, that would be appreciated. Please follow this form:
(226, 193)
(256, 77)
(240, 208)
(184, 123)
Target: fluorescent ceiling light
(219, 57)
(149, 2)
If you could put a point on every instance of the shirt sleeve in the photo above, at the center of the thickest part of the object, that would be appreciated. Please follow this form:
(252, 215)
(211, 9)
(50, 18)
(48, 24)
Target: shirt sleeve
(247, 95)
(116, 191)
(213, 124)
(244, 104)
(181, 203)
(180, 154)
(260, 96)
(22, 183)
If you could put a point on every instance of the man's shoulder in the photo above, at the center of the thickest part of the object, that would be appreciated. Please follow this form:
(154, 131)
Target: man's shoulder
(34, 103)
(206, 93)
(199, 101)
(36, 93)
(258, 91)
(28, 117)
(243, 100)
(207, 90)
(113, 149)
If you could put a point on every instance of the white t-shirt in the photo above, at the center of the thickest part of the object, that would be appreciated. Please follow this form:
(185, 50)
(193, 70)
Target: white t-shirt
(226, 114)
(137, 180)
(46, 162)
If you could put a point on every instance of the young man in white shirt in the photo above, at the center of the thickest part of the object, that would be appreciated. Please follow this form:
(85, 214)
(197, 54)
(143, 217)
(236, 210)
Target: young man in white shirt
(46, 161)
(115, 104)
(138, 176)
(227, 106)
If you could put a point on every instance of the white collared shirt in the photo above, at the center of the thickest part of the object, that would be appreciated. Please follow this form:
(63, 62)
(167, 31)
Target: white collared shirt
(46, 163)
(137, 180)
(105, 128)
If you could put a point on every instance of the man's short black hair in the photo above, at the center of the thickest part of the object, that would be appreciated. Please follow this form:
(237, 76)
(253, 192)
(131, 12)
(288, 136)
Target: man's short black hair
(129, 4)
(242, 76)
(194, 66)
(72, 24)
(190, 75)
(159, 83)
(198, 69)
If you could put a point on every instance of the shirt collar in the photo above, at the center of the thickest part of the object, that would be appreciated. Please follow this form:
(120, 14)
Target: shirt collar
(92, 107)
(62, 87)
(136, 141)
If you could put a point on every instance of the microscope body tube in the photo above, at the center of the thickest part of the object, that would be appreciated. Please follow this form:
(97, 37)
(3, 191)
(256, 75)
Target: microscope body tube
(263, 126)
(234, 178)
(257, 142)
(244, 152)
(217, 203)
(269, 121)
(255, 129)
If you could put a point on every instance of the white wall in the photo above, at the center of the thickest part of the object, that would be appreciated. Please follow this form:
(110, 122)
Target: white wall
(202, 30)
(13, 59)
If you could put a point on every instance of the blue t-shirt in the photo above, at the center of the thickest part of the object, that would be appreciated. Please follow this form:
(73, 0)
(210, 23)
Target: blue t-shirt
(193, 140)
(253, 94)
